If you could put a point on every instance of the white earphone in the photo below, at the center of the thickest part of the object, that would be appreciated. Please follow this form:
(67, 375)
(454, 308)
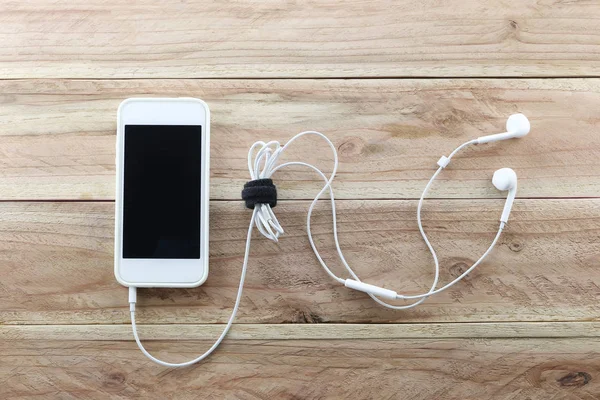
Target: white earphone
(263, 165)
(517, 126)
(506, 179)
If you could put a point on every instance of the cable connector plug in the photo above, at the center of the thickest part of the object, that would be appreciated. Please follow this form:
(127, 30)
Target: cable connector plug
(132, 298)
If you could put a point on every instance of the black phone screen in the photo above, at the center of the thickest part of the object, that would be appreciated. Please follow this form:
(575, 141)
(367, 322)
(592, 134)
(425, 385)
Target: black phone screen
(162, 191)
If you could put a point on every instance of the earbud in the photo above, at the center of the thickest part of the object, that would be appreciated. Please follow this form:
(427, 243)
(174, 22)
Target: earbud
(506, 179)
(517, 126)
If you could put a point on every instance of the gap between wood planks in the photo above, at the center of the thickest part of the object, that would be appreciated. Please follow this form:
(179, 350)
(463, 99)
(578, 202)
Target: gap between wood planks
(349, 77)
(322, 198)
(478, 330)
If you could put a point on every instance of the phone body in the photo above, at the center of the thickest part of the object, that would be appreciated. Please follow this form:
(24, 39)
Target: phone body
(162, 192)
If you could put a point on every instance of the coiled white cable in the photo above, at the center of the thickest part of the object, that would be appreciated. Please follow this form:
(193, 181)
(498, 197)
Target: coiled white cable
(263, 165)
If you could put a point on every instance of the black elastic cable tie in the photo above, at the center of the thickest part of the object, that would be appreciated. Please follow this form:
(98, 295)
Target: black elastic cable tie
(259, 191)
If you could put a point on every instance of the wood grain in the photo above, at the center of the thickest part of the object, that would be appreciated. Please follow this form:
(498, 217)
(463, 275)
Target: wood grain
(453, 369)
(58, 136)
(365, 38)
(57, 264)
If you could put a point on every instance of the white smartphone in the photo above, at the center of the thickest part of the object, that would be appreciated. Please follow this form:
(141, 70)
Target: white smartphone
(161, 212)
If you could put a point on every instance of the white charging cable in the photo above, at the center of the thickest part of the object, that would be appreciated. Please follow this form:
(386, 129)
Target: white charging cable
(263, 165)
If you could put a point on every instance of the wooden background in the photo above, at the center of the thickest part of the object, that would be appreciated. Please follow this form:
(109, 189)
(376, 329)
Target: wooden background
(395, 84)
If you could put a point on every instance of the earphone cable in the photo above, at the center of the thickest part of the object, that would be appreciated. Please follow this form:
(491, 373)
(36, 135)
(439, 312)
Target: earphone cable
(264, 165)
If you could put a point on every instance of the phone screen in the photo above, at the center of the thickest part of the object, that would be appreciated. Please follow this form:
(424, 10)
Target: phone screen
(162, 191)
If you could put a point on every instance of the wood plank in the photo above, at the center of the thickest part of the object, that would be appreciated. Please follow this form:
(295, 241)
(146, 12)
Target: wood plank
(225, 39)
(58, 136)
(453, 369)
(479, 330)
(56, 260)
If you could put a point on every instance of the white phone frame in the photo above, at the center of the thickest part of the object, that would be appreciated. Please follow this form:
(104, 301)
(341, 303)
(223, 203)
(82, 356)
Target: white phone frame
(162, 272)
